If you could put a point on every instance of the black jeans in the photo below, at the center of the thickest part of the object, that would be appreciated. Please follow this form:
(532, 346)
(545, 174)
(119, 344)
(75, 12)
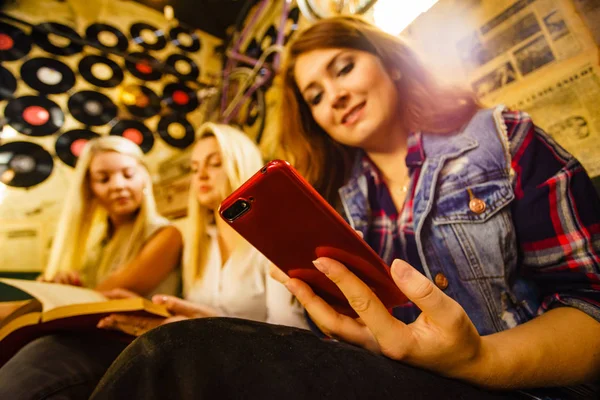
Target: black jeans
(62, 366)
(225, 358)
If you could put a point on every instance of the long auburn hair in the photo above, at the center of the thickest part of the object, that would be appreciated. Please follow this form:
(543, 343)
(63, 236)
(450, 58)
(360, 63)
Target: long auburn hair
(424, 104)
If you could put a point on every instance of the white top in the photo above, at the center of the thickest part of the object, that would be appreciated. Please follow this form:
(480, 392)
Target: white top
(242, 288)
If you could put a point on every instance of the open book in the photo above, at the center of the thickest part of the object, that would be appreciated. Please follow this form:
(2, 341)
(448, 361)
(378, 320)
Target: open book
(57, 307)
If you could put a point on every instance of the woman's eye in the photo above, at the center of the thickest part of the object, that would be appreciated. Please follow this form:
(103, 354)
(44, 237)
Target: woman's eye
(347, 68)
(215, 165)
(129, 174)
(315, 100)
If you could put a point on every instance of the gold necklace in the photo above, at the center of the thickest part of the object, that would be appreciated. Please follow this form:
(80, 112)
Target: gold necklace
(399, 189)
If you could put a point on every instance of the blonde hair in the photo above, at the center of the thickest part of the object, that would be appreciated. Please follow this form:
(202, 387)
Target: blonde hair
(241, 158)
(83, 223)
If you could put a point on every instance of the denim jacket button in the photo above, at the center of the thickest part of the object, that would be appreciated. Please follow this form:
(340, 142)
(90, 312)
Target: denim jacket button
(441, 281)
(477, 205)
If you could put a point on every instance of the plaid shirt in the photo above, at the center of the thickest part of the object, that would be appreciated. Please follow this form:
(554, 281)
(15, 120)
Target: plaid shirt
(556, 214)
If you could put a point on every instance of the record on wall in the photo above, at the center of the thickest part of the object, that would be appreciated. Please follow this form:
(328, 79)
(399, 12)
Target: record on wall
(70, 144)
(34, 115)
(183, 67)
(14, 43)
(135, 131)
(101, 71)
(140, 101)
(106, 36)
(57, 39)
(8, 84)
(180, 98)
(143, 66)
(92, 108)
(24, 164)
(185, 39)
(176, 131)
(47, 75)
(148, 36)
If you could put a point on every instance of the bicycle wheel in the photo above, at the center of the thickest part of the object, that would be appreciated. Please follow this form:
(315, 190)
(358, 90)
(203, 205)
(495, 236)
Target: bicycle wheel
(249, 112)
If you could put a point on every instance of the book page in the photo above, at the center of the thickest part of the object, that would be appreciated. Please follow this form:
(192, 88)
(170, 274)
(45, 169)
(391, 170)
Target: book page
(53, 295)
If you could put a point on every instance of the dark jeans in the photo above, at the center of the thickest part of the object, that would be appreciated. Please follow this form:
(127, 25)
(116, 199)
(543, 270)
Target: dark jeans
(62, 366)
(226, 358)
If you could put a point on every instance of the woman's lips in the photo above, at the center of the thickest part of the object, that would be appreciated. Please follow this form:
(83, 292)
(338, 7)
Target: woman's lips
(354, 114)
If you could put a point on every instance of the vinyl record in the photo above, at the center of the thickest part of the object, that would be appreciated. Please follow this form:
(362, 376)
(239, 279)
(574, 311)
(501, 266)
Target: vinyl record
(143, 66)
(70, 144)
(47, 75)
(176, 131)
(106, 36)
(135, 131)
(24, 164)
(180, 98)
(141, 101)
(34, 115)
(185, 39)
(14, 43)
(57, 38)
(101, 71)
(92, 108)
(8, 84)
(148, 36)
(183, 67)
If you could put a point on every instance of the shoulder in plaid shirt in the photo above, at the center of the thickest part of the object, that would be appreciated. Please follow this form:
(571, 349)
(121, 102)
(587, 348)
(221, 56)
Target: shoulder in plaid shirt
(556, 214)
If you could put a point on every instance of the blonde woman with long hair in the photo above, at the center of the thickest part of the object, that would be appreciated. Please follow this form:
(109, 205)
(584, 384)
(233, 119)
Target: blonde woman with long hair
(110, 234)
(110, 237)
(223, 275)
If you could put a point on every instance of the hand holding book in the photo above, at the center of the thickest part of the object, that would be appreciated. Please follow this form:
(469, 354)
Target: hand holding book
(138, 325)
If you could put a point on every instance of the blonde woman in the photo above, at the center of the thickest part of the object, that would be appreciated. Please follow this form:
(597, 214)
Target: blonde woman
(109, 233)
(110, 236)
(223, 275)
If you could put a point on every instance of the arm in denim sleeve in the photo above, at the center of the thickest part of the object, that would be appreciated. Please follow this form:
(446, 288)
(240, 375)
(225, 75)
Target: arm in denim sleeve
(557, 219)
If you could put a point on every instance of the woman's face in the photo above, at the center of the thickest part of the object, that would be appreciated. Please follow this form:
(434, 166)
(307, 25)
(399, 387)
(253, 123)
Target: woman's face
(208, 172)
(117, 181)
(350, 95)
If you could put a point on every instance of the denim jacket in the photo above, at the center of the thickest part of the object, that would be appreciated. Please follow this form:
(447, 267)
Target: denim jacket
(475, 250)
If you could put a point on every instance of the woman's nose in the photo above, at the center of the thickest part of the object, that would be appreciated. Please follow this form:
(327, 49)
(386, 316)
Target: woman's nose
(340, 99)
(117, 182)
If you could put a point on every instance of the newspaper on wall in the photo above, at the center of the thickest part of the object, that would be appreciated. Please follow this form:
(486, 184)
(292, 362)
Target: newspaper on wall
(567, 106)
(521, 40)
(22, 246)
(590, 12)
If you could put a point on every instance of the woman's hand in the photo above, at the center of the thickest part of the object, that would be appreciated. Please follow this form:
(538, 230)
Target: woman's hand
(119, 293)
(137, 326)
(133, 325)
(185, 308)
(64, 277)
(442, 339)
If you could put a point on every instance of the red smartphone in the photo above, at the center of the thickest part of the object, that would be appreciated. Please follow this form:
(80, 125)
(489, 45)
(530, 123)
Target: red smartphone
(286, 219)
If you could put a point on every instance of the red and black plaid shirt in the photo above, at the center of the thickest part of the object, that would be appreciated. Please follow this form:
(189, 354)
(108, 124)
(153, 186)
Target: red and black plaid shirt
(556, 214)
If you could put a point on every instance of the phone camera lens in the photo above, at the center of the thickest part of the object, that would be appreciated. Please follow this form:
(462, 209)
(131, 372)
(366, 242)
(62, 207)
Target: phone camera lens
(237, 209)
